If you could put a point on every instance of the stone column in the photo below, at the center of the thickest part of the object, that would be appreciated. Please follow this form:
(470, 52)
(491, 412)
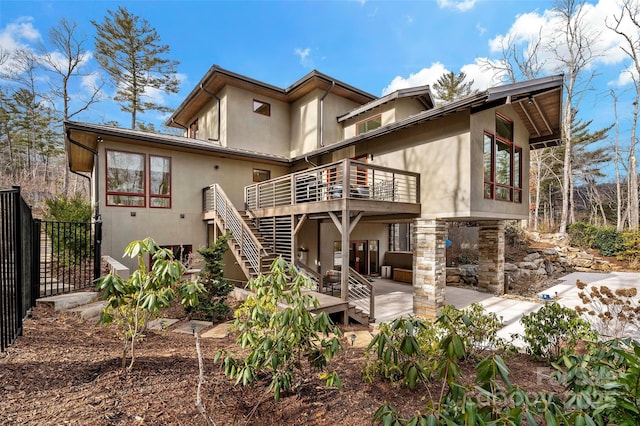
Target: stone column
(429, 267)
(491, 262)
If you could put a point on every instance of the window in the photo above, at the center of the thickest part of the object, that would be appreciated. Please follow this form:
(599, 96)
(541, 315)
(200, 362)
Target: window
(125, 179)
(502, 163)
(159, 181)
(262, 108)
(193, 130)
(368, 124)
(260, 175)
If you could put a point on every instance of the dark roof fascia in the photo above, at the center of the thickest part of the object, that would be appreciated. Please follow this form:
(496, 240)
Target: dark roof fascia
(171, 140)
(401, 93)
(217, 70)
(525, 87)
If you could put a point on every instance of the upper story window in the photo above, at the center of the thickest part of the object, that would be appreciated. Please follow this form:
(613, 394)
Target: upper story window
(193, 129)
(159, 181)
(502, 163)
(368, 124)
(125, 179)
(262, 108)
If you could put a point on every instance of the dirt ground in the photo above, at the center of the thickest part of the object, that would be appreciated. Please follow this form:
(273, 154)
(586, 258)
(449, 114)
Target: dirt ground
(64, 370)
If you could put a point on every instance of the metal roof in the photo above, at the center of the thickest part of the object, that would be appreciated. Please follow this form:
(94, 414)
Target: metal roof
(421, 93)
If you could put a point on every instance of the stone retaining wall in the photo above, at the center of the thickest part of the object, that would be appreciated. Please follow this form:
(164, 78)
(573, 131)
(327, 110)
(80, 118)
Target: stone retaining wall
(538, 263)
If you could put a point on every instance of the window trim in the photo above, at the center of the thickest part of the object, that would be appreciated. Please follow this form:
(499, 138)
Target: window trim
(514, 187)
(256, 170)
(367, 120)
(193, 129)
(153, 195)
(257, 109)
(142, 194)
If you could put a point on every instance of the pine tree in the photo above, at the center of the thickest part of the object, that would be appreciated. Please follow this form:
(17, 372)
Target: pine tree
(451, 87)
(129, 50)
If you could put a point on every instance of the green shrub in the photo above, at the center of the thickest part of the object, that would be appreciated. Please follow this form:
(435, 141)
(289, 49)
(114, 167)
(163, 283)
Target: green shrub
(582, 235)
(477, 327)
(68, 242)
(630, 246)
(131, 303)
(63, 209)
(405, 351)
(212, 306)
(278, 340)
(608, 241)
(554, 329)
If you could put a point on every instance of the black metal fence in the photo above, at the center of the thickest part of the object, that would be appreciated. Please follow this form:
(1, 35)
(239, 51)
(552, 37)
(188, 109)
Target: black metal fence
(17, 264)
(69, 256)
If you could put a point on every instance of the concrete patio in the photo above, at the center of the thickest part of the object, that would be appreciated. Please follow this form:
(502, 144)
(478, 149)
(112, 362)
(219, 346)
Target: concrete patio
(394, 299)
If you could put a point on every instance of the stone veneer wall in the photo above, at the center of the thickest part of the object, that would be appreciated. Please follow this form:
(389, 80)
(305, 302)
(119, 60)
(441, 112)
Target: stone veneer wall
(429, 267)
(491, 261)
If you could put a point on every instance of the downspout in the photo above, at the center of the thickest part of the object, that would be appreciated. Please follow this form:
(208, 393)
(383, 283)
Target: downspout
(96, 165)
(217, 139)
(321, 124)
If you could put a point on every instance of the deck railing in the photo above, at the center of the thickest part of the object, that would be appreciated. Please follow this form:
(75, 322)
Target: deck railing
(361, 293)
(342, 179)
(229, 219)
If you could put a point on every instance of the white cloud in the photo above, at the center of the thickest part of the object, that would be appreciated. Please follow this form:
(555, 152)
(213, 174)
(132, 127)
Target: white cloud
(409, 19)
(422, 77)
(305, 59)
(459, 5)
(17, 35)
(481, 29)
(482, 77)
(548, 26)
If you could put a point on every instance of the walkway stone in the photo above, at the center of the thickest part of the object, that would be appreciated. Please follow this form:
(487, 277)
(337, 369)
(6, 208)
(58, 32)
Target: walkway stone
(220, 331)
(64, 302)
(161, 323)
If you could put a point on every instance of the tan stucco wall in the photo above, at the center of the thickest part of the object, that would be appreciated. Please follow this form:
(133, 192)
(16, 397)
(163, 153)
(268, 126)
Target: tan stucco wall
(406, 107)
(335, 106)
(387, 111)
(255, 132)
(189, 173)
(448, 154)
(304, 124)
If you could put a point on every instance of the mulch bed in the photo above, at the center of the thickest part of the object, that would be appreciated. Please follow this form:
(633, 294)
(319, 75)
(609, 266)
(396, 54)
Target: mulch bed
(64, 370)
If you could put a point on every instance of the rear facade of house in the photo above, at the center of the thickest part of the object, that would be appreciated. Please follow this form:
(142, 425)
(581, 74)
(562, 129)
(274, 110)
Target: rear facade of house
(342, 182)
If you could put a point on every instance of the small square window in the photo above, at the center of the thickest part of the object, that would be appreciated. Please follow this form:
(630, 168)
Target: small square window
(260, 175)
(262, 108)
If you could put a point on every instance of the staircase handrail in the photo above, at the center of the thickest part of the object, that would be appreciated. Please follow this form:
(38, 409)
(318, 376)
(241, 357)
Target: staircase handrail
(360, 288)
(313, 275)
(231, 220)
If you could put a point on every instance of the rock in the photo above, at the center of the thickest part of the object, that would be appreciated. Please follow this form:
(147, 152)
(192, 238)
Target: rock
(527, 265)
(531, 257)
(510, 267)
(601, 265)
(453, 278)
(541, 271)
(585, 255)
(453, 271)
(539, 262)
(582, 262)
(471, 280)
(549, 267)
(550, 252)
(468, 270)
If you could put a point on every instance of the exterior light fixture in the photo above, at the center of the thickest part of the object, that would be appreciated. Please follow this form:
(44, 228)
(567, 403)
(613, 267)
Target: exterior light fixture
(353, 338)
(193, 328)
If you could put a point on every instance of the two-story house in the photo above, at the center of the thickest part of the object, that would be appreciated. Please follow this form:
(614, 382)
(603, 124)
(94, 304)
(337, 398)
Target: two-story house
(324, 174)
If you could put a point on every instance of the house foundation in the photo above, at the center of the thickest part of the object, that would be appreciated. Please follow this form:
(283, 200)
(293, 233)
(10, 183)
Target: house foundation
(491, 261)
(429, 267)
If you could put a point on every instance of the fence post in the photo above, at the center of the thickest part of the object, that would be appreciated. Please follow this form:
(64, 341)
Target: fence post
(35, 261)
(17, 297)
(97, 241)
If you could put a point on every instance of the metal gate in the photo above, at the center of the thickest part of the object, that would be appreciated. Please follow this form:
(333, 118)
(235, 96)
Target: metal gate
(17, 266)
(69, 256)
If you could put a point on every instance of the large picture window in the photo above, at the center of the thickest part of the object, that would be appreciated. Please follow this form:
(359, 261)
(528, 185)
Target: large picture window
(159, 181)
(125, 179)
(502, 163)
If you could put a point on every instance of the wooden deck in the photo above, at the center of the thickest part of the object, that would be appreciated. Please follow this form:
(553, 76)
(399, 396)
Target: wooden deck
(327, 303)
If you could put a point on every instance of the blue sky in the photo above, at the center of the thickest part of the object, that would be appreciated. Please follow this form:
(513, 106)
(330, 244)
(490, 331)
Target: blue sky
(377, 46)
